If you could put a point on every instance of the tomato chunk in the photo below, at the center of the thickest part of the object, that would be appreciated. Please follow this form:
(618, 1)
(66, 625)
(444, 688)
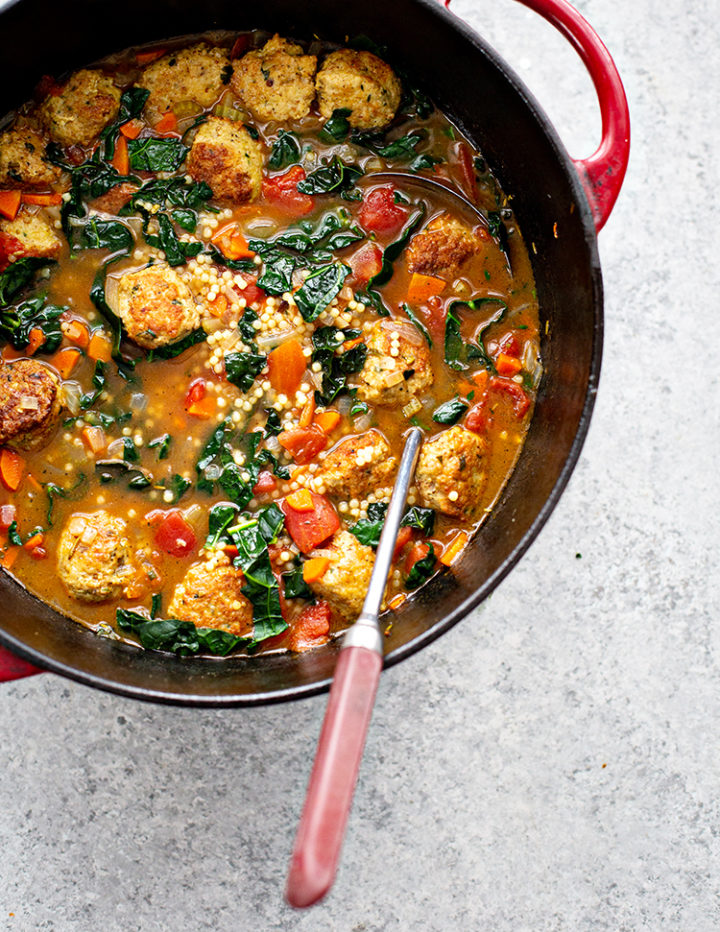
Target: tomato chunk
(309, 529)
(282, 191)
(403, 538)
(311, 628)
(366, 263)
(303, 443)
(265, 483)
(9, 246)
(520, 399)
(173, 534)
(379, 212)
(418, 552)
(196, 392)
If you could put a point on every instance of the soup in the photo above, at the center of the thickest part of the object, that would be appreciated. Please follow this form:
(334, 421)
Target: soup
(220, 316)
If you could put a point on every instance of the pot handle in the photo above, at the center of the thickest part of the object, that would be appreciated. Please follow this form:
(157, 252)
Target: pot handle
(603, 172)
(13, 668)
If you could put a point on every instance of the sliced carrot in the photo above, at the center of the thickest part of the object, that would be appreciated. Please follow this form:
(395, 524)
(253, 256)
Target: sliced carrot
(327, 421)
(301, 500)
(144, 58)
(351, 344)
(287, 364)
(35, 341)
(480, 379)
(167, 123)
(203, 408)
(65, 360)
(454, 548)
(397, 600)
(507, 365)
(35, 541)
(12, 468)
(100, 347)
(10, 556)
(76, 332)
(10, 203)
(121, 159)
(232, 243)
(423, 287)
(315, 568)
(132, 128)
(465, 387)
(43, 200)
(94, 439)
(306, 416)
(218, 306)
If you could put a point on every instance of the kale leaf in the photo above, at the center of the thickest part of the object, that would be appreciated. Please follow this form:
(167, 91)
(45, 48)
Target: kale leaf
(156, 155)
(18, 275)
(179, 637)
(17, 322)
(285, 151)
(458, 353)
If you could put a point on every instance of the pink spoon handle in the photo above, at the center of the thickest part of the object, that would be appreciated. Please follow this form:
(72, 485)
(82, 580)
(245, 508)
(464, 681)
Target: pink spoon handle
(334, 774)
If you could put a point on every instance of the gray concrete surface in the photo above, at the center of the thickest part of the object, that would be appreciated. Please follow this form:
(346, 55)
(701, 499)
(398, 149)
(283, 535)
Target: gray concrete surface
(550, 764)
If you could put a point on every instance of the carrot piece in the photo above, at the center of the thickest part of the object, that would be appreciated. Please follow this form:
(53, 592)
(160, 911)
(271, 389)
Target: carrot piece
(465, 387)
(423, 287)
(301, 500)
(35, 341)
(10, 556)
(452, 551)
(76, 332)
(131, 129)
(327, 421)
(144, 58)
(480, 378)
(203, 408)
(287, 364)
(507, 365)
(94, 439)
(306, 416)
(232, 243)
(218, 306)
(121, 158)
(315, 568)
(351, 344)
(35, 541)
(167, 123)
(10, 203)
(12, 468)
(100, 347)
(397, 600)
(65, 360)
(43, 200)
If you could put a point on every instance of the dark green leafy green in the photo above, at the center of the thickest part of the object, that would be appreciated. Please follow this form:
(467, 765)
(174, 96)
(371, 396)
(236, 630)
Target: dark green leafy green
(243, 368)
(98, 382)
(368, 530)
(285, 151)
(55, 491)
(220, 517)
(278, 268)
(171, 350)
(421, 518)
(132, 102)
(337, 127)
(319, 288)
(458, 353)
(336, 366)
(177, 251)
(450, 412)
(17, 322)
(422, 570)
(171, 192)
(14, 537)
(156, 155)
(106, 234)
(333, 177)
(18, 275)
(178, 637)
(162, 444)
(155, 604)
(418, 323)
(295, 587)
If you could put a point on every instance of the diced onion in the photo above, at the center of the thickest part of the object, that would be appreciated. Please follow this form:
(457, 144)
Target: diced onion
(193, 514)
(273, 445)
(260, 227)
(531, 363)
(412, 407)
(363, 423)
(28, 403)
(89, 534)
(138, 401)
(212, 471)
(72, 392)
(344, 403)
(115, 450)
(111, 290)
(406, 330)
(317, 379)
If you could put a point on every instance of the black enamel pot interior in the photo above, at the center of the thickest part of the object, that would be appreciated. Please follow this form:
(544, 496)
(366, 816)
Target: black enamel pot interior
(480, 93)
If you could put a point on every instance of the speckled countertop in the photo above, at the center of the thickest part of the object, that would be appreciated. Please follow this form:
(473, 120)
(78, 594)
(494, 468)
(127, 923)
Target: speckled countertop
(553, 762)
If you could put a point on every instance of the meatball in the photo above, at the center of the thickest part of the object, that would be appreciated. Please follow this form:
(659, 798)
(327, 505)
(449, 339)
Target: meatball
(22, 159)
(34, 234)
(93, 557)
(345, 581)
(442, 248)
(276, 82)
(397, 365)
(30, 404)
(362, 83)
(87, 103)
(210, 597)
(226, 157)
(156, 306)
(450, 473)
(358, 465)
(198, 73)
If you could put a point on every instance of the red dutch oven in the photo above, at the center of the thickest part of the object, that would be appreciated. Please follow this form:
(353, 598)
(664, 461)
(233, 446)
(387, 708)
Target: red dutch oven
(560, 204)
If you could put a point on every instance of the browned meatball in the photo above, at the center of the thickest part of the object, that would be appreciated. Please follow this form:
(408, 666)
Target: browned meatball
(210, 596)
(450, 473)
(197, 74)
(87, 103)
(93, 557)
(362, 83)
(358, 465)
(277, 81)
(397, 365)
(22, 158)
(442, 248)
(35, 235)
(156, 306)
(345, 581)
(30, 404)
(225, 156)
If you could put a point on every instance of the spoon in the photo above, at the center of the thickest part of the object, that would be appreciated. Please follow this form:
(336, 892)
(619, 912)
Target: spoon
(332, 782)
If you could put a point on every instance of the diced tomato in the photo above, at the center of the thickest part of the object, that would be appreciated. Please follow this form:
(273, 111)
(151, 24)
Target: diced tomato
(196, 392)
(520, 399)
(8, 514)
(478, 417)
(418, 552)
(240, 46)
(173, 534)
(379, 212)
(311, 628)
(510, 345)
(303, 443)
(403, 538)
(250, 292)
(265, 483)
(9, 246)
(282, 191)
(309, 529)
(435, 313)
(38, 553)
(365, 263)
